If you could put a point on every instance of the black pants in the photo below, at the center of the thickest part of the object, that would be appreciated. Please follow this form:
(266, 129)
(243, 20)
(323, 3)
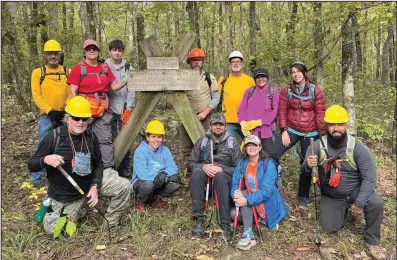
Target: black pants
(145, 190)
(334, 213)
(116, 128)
(277, 149)
(221, 183)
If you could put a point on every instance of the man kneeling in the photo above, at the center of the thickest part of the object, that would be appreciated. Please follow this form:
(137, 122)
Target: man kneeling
(76, 150)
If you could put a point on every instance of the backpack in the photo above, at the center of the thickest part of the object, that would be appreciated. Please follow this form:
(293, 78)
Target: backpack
(310, 96)
(44, 73)
(204, 142)
(57, 137)
(351, 143)
(127, 67)
(83, 70)
(270, 95)
(208, 78)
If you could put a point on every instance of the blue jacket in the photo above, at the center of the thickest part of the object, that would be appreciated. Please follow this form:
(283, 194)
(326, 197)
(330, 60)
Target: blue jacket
(147, 164)
(267, 192)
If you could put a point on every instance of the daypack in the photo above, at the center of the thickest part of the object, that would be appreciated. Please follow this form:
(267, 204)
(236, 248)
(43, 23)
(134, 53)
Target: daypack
(270, 95)
(351, 143)
(83, 70)
(204, 142)
(208, 78)
(44, 73)
(311, 95)
(57, 137)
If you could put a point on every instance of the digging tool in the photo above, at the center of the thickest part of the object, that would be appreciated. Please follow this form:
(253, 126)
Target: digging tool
(77, 187)
(254, 211)
(314, 180)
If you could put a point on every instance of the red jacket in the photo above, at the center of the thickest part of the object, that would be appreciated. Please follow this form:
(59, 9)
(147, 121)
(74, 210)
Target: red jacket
(303, 116)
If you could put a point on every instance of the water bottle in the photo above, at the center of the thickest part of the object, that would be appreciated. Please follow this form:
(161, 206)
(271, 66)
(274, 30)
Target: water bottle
(279, 178)
(38, 218)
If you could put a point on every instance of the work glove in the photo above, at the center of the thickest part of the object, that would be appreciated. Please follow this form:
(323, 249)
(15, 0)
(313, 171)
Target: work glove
(336, 175)
(175, 178)
(125, 116)
(56, 114)
(160, 180)
(253, 124)
(244, 128)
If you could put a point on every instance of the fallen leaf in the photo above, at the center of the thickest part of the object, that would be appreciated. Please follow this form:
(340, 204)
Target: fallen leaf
(204, 257)
(100, 247)
(301, 249)
(155, 257)
(332, 250)
(363, 254)
(357, 256)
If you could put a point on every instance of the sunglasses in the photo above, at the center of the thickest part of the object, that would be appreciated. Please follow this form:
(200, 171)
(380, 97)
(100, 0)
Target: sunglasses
(77, 119)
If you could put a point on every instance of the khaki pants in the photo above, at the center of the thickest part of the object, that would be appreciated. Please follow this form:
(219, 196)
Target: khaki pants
(113, 186)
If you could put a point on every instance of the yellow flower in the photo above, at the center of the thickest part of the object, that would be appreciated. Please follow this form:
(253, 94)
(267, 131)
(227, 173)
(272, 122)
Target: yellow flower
(33, 196)
(26, 185)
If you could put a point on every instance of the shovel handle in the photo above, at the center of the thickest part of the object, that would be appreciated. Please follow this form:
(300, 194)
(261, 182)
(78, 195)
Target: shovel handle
(67, 176)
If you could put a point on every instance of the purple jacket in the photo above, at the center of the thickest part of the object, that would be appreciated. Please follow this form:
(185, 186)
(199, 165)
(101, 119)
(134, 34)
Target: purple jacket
(259, 107)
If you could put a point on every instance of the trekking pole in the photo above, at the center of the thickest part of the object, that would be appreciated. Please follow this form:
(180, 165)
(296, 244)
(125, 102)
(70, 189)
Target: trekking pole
(314, 179)
(240, 184)
(254, 212)
(77, 187)
(207, 192)
(214, 193)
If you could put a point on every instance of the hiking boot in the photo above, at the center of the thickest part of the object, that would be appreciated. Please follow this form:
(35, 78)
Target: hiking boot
(160, 203)
(198, 227)
(227, 232)
(302, 202)
(376, 251)
(247, 240)
(140, 206)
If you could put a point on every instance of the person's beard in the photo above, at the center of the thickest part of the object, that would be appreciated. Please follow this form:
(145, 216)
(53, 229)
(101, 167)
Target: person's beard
(336, 141)
(218, 135)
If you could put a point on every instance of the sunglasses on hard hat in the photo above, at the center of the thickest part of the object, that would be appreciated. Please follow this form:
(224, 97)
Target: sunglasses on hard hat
(77, 119)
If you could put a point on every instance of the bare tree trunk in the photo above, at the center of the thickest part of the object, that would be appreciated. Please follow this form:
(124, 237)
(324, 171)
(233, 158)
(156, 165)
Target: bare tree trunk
(377, 45)
(140, 24)
(53, 16)
(212, 48)
(156, 27)
(169, 32)
(64, 15)
(386, 54)
(229, 13)
(359, 55)
(318, 35)
(176, 19)
(33, 48)
(220, 35)
(97, 21)
(131, 31)
(252, 25)
(365, 34)
(87, 21)
(290, 29)
(192, 10)
(43, 23)
(347, 72)
(71, 16)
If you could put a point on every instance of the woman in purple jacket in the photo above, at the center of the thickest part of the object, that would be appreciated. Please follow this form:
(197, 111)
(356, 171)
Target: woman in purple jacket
(258, 109)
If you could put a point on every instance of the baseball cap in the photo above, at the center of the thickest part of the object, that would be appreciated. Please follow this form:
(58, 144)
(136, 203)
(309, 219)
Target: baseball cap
(262, 72)
(252, 139)
(90, 42)
(218, 118)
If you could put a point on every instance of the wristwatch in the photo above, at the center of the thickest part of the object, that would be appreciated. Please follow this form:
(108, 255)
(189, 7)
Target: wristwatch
(95, 185)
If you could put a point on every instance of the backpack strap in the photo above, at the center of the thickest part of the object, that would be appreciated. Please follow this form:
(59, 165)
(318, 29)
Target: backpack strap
(311, 92)
(55, 143)
(204, 142)
(83, 71)
(208, 78)
(66, 70)
(230, 142)
(127, 67)
(351, 143)
(42, 75)
(323, 150)
(251, 92)
(270, 96)
(220, 105)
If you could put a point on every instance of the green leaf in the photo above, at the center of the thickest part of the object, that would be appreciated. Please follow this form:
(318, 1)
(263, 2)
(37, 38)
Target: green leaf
(71, 228)
(59, 226)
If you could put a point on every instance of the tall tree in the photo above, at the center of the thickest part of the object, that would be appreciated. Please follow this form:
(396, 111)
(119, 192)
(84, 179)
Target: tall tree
(347, 71)
(229, 14)
(377, 46)
(358, 48)
(87, 20)
(193, 12)
(140, 30)
(290, 28)
(220, 35)
(386, 53)
(252, 27)
(318, 36)
(53, 16)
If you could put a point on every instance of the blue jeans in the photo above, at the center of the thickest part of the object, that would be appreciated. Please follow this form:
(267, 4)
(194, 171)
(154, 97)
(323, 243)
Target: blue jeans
(116, 128)
(234, 130)
(46, 125)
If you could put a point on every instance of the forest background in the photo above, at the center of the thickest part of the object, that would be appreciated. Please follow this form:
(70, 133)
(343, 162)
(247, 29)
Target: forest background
(349, 48)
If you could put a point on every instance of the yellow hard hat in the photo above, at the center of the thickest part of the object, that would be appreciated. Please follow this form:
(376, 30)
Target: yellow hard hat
(155, 127)
(78, 107)
(52, 45)
(336, 114)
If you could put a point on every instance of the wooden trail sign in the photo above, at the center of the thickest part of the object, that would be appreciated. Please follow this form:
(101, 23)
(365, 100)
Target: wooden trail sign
(162, 74)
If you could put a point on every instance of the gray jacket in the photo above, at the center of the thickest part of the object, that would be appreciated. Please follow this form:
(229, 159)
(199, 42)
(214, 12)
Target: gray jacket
(364, 177)
(122, 98)
(224, 156)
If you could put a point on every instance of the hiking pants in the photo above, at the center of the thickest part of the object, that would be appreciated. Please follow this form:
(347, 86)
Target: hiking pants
(234, 130)
(186, 141)
(221, 183)
(46, 125)
(103, 130)
(334, 213)
(116, 128)
(113, 186)
(245, 214)
(145, 190)
(278, 149)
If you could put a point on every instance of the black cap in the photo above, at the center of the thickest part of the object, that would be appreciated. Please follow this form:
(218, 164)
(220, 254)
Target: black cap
(261, 71)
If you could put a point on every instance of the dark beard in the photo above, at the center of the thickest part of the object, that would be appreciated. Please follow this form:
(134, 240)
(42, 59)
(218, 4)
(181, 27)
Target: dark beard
(337, 141)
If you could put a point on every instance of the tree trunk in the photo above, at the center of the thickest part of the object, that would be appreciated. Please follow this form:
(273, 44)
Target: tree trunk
(43, 23)
(378, 59)
(318, 35)
(212, 48)
(221, 49)
(97, 22)
(193, 12)
(32, 35)
(290, 29)
(386, 54)
(140, 24)
(71, 16)
(156, 27)
(365, 35)
(347, 72)
(53, 17)
(169, 32)
(131, 32)
(229, 14)
(176, 19)
(252, 21)
(64, 15)
(87, 21)
(359, 56)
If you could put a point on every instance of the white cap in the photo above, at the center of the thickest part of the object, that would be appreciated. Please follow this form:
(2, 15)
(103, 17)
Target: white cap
(236, 54)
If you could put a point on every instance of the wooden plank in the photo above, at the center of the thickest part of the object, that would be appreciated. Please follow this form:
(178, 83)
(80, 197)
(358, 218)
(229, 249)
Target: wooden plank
(127, 135)
(190, 121)
(150, 47)
(166, 63)
(183, 44)
(164, 80)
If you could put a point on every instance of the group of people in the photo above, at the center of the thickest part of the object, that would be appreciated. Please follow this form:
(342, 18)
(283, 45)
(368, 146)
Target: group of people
(237, 161)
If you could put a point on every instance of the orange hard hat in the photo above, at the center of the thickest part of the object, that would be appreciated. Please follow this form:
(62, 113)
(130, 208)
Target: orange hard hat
(196, 53)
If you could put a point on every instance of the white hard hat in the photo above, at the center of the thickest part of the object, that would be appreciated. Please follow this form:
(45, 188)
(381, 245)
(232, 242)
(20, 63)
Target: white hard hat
(236, 54)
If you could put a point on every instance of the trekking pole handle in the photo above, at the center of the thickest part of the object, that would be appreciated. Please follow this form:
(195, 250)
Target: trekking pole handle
(67, 176)
(314, 178)
(212, 151)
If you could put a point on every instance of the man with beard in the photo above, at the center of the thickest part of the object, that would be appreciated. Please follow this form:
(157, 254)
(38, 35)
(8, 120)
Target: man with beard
(219, 170)
(204, 100)
(50, 92)
(76, 149)
(347, 177)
